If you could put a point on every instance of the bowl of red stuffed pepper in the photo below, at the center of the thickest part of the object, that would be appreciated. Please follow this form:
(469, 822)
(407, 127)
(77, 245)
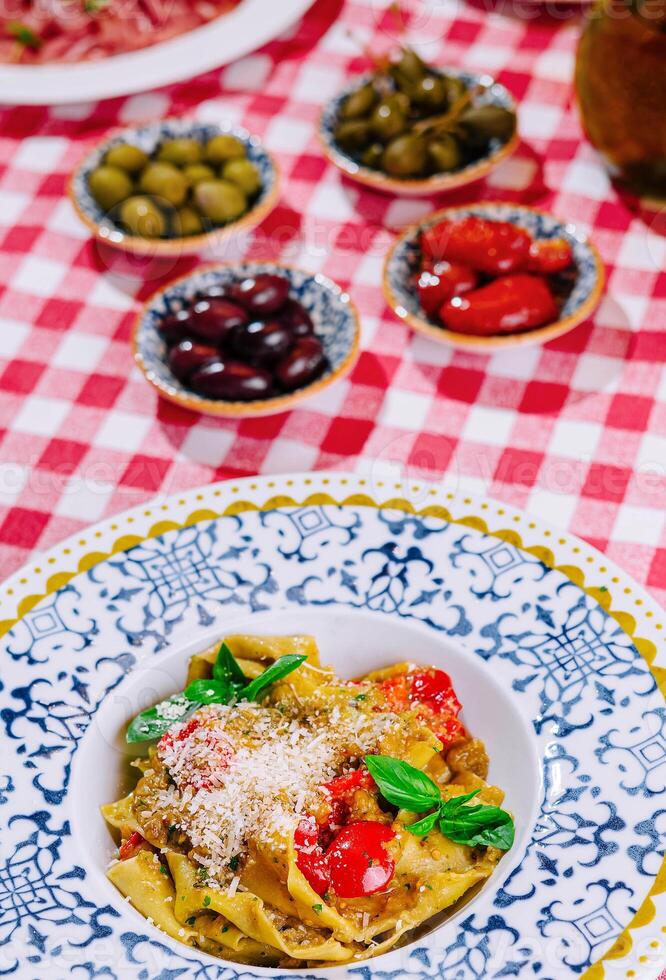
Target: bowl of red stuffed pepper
(491, 275)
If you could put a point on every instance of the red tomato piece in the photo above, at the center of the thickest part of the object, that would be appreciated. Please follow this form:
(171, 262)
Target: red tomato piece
(444, 280)
(131, 846)
(449, 730)
(358, 862)
(344, 785)
(507, 305)
(494, 247)
(396, 692)
(434, 689)
(310, 858)
(549, 255)
(314, 868)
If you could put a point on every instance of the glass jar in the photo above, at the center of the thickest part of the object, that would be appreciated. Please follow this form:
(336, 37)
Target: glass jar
(621, 88)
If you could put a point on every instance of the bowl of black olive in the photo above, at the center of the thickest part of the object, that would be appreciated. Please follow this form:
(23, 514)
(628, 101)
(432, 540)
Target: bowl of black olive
(174, 186)
(414, 129)
(246, 339)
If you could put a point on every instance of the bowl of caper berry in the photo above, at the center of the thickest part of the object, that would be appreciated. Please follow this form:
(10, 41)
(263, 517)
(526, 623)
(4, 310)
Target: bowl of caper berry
(414, 129)
(174, 187)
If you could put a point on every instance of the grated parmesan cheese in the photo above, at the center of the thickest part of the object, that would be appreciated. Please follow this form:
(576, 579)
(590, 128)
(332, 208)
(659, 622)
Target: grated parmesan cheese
(247, 772)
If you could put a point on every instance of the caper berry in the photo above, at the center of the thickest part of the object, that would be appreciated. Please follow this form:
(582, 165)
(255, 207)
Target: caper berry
(411, 66)
(444, 153)
(387, 121)
(141, 216)
(352, 134)
(244, 174)
(405, 156)
(220, 200)
(224, 147)
(480, 124)
(359, 103)
(127, 157)
(180, 152)
(109, 186)
(430, 93)
(372, 156)
(164, 181)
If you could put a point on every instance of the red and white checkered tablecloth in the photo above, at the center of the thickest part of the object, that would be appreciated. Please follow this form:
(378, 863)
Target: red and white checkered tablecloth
(575, 431)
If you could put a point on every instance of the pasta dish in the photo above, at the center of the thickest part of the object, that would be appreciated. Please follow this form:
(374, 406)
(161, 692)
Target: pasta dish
(43, 31)
(286, 817)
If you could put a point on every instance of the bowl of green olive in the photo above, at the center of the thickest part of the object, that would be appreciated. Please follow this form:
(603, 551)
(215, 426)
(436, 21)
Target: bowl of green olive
(413, 129)
(174, 187)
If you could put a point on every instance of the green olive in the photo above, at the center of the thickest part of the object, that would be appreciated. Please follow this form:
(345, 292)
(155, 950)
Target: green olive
(127, 157)
(220, 200)
(244, 174)
(109, 186)
(164, 181)
(142, 217)
(222, 148)
(359, 103)
(444, 153)
(196, 172)
(372, 156)
(353, 134)
(388, 121)
(187, 222)
(405, 156)
(430, 93)
(180, 152)
(480, 124)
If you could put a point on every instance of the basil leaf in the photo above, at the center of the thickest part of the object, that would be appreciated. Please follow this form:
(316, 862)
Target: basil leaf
(424, 825)
(227, 669)
(285, 665)
(476, 825)
(154, 722)
(403, 785)
(208, 692)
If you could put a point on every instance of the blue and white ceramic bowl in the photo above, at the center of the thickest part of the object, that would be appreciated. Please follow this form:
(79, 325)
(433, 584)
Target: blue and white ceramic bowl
(557, 655)
(402, 265)
(493, 94)
(148, 139)
(335, 319)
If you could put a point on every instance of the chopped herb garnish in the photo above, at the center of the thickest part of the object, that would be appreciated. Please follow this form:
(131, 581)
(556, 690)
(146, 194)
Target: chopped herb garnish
(317, 908)
(206, 901)
(163, 869)
(234, 862)
(202, 874)
(360, 697)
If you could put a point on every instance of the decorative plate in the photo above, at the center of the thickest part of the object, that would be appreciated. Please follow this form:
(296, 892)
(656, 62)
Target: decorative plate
(403, 260)
(334, 316)
(574, 648)
(494, 94)
(147, 138)
(249, 26)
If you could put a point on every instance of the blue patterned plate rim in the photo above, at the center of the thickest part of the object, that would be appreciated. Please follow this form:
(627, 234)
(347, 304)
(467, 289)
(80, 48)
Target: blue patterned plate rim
(600, 825)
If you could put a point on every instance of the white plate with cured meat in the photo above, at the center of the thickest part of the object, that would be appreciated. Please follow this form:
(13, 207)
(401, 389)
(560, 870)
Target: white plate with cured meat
(64, 52)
